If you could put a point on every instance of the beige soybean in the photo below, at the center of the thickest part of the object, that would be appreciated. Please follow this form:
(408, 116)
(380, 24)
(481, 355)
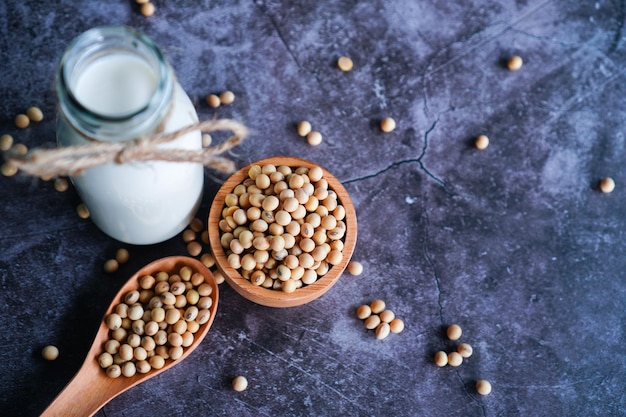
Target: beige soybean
(114, 371)
(372, 322)
(387, 124)
(455, 359)
(22, 121)
(396, 325)
(363, 312)
(465, 350)
(227, 97)
(382, 330)
(8, 169)
(105, 360)
(387, 315)
(147, 9)
(515, 63)
(441, 358)
(34, 114)
(213, 100)
(482, 142)
(454, 332)
(304, 128)
(240, 383)
(607, 185)
(314, 138)
(50, 353)
(377, 306)
(128, 369)
(61, 184)
(355, 268)
(483, 387)
(110, 266)
(345, 63)
(82, 211)
(6, 141)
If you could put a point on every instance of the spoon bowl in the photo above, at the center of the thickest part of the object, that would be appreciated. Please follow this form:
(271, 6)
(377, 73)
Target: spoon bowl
(91, 388)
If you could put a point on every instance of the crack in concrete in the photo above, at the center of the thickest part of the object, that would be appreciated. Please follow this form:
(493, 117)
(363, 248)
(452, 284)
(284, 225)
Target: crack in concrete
(417, 160)
(620, 27)
(280, 35)
(469, 394)
(431, 263)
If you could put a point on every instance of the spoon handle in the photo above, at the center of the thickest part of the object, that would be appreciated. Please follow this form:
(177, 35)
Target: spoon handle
(83, 396)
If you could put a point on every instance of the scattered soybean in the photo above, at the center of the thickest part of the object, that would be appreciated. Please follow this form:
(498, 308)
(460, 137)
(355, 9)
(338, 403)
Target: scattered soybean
(482, 142)
(441, 358)
(22, 121)
(387, 124)
(514, 63)
(483, 387)
(240, 383)
(50, 353)
(345, 63)
(454, 332)
(607, 185)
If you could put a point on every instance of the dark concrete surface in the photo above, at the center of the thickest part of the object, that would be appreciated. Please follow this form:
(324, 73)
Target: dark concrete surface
(515, 243)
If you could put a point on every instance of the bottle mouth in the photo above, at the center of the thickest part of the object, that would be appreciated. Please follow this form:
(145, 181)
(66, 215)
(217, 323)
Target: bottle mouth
(99, 96)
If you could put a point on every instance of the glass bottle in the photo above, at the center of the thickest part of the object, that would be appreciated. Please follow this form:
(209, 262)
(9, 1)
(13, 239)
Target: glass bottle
(114, 84)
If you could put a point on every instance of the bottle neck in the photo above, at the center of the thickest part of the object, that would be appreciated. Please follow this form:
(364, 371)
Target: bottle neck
(113, 84)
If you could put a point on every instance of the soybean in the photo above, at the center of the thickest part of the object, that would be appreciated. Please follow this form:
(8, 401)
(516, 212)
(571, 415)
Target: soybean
(6, 141)
(82, 211)
(377, 306)
(455, 359)
(483, 387)
(227, 97)
(355, 268)
(240, 383)
(50, 353)
(482, 142)
(345, 63)
(34, 114)
(454, 332)
(22, 121)
(514, 63)
(396, 325)
(147, 9)
(382, 330)
(314, 138)
(441, 358)
(213, 100)
(607, 185)
(304, 128)
(387, 124)
(465, 350)
(363, 312)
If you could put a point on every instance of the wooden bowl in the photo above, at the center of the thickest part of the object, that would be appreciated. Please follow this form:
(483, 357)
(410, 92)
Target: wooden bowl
(271, 297)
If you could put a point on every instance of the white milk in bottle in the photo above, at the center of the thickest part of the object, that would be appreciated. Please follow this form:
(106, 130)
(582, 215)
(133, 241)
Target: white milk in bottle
(114, 85)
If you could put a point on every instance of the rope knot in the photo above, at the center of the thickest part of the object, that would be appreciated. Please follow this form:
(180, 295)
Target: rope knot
(132, 150)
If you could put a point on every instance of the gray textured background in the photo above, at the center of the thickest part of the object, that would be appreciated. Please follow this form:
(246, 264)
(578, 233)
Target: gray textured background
(515, 243)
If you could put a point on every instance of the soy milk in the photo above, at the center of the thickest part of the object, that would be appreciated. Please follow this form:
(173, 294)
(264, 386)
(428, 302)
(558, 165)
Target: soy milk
(115, 85)
(117, 89)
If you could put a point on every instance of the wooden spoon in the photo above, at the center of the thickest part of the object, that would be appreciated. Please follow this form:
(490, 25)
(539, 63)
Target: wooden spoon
(91, 388)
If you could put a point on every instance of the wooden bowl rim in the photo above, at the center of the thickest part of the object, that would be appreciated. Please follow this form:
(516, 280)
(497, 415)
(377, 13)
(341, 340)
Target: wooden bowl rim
(275, 298)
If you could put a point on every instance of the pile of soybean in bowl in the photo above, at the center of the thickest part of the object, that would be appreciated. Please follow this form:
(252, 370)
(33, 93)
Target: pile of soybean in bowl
(156, 322)
(283, 227)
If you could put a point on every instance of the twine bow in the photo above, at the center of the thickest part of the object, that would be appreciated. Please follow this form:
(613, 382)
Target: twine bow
(72, 160)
